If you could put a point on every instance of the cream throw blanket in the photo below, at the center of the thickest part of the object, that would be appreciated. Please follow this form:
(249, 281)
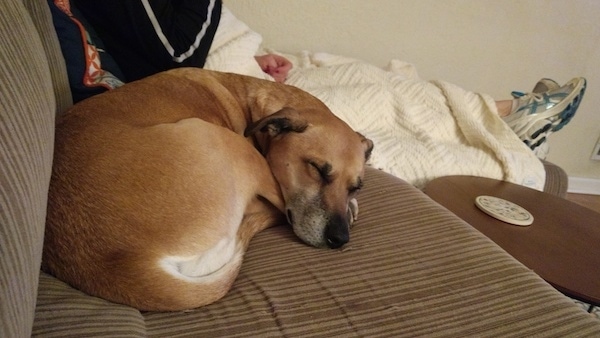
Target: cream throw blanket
(421, 129)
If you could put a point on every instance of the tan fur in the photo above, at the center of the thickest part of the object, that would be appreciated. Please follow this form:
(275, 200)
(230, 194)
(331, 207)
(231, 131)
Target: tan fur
(156, 193)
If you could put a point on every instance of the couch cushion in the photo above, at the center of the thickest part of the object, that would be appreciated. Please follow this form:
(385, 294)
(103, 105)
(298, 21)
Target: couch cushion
(411, 269)
(62, 310)
(27, 109)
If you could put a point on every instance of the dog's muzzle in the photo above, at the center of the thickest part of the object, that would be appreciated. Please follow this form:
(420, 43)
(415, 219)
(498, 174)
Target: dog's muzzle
(336, 239)
(331, 231)
(337, 232)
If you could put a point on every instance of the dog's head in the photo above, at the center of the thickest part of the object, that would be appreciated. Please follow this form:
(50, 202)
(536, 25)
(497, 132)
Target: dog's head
(319, 163)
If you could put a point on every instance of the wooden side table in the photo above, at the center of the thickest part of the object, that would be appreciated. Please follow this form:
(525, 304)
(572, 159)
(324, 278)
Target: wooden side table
(561, 245)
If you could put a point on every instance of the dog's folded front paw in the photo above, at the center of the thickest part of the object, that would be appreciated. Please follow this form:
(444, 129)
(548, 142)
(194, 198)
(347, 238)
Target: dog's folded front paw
(352, 211)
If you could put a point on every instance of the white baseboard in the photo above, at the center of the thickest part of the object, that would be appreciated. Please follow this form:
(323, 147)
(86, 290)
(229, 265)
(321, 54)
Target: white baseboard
(588, 186)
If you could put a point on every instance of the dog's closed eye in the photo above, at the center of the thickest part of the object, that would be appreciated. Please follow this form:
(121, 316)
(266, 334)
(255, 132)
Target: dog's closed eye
(323, 170)
(355, 188)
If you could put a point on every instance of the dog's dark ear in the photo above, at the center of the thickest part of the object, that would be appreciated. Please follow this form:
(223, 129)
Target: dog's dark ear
(368, 144)
(284, 121)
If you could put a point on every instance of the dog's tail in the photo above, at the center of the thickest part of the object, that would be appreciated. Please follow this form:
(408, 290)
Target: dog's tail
(180, 284)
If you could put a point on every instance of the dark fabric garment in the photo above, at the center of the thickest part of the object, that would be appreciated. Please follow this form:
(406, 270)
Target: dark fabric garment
(73, 41)
(127, 30)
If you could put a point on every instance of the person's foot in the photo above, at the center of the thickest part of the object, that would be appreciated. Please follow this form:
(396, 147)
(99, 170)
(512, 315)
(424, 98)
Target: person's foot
(541, 86)
(537, 140)
(534, 141)
(538, 114)
(542, 151)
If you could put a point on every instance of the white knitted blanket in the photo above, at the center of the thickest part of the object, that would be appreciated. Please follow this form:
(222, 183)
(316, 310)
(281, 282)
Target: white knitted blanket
(421, 129)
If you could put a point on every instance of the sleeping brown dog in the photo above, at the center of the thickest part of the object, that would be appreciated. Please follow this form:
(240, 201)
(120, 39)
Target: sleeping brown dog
(158, 186)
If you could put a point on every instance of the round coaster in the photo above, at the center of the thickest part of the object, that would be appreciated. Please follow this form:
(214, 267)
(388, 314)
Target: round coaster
(504, 210)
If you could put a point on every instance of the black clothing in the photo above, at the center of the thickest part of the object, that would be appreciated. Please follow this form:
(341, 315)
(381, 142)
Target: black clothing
(149, 36)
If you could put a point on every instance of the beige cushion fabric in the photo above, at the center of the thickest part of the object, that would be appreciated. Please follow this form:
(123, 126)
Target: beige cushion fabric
(411, 269)
(42, 19)
(557, 181)
(26, 143)
(63, 311)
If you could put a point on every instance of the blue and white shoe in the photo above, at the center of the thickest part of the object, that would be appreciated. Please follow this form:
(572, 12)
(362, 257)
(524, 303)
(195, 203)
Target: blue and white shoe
(538, 114)
(541, 86)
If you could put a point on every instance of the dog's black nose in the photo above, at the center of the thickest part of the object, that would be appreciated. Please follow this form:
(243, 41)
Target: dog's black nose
(336, 239)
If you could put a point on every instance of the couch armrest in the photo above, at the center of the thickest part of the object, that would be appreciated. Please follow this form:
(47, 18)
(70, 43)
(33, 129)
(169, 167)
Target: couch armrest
(42, 19)
(26, 143)
(557, 181)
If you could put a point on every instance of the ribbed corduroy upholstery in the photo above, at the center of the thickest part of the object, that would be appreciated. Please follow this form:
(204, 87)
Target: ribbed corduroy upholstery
(557, 181)
(27, 111)
(411, 269)
(42, 19)
(63, 311)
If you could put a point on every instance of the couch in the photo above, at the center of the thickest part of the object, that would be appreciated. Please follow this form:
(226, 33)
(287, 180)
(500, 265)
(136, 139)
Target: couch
(412, 268)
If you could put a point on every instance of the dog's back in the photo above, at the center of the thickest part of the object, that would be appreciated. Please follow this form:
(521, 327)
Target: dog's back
(146, 200)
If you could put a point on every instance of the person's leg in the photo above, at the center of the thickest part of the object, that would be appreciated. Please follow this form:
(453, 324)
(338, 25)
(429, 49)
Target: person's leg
(504, 107)
(544, 85)
(547, 109)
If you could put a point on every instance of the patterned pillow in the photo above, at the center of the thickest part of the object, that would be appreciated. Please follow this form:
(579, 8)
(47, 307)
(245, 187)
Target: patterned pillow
(90, 69)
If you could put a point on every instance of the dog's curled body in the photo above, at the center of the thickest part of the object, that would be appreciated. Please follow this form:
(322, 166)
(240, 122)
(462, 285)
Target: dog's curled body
(155, 191)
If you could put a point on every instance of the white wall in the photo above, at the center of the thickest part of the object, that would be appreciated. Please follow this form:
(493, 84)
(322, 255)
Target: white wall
(487, 46)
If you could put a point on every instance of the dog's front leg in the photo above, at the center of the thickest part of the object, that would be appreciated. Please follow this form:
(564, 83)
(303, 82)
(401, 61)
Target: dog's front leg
(352, 211)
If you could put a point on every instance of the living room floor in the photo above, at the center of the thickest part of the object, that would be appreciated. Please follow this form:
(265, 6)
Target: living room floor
(589, 201)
